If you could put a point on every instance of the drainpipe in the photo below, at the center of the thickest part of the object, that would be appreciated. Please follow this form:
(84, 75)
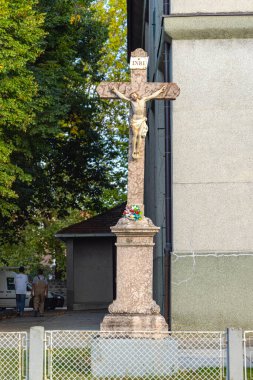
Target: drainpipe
(168, 192)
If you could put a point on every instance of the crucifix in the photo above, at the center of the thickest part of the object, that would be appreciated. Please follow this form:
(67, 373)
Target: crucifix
(134, 308)
(137, 92)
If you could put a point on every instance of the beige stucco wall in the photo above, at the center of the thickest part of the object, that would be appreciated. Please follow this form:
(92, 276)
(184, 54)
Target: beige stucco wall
(212, 145)
(213, 183)
(190, 6)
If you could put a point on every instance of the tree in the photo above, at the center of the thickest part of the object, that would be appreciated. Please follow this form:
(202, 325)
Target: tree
(21, 35)
(71, 162)
(69, 156)
(37, 241)
(74, 153)
(113, 65)
(114, 51)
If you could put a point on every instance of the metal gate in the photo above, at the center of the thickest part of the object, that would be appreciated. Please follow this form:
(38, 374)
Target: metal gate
(13, 355)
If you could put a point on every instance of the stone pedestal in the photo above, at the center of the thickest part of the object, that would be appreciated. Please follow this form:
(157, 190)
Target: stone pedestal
(134, 309)
(134, 358)
(131, 323)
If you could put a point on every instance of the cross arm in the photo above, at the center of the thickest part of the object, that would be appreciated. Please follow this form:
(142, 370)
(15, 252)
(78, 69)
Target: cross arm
(146, 89)
(104, 89)
(156, 93)
(170, 92)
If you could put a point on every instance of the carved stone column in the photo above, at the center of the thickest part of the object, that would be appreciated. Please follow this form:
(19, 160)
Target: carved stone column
(134, 309)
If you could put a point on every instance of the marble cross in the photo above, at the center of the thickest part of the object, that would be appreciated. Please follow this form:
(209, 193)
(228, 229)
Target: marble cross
(137, 93)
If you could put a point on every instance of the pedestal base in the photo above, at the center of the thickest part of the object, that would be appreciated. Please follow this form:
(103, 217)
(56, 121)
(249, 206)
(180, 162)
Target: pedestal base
(126, 358)
(134, 309)
(134, 323)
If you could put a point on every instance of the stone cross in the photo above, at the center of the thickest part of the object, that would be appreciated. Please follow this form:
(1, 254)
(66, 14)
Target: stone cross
(134, 309)
(137, 92)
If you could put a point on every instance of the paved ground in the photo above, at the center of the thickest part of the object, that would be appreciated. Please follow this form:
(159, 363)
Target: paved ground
(54, 320)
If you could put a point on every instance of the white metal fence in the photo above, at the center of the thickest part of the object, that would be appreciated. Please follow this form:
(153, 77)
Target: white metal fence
(248, 355)
(13, 355)
(93, 354)
(100, 355)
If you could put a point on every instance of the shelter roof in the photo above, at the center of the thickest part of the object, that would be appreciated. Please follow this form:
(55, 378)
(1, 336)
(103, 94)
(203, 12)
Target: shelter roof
(98, 225)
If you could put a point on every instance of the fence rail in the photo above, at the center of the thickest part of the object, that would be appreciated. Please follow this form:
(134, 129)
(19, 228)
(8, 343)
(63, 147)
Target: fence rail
(93, 354)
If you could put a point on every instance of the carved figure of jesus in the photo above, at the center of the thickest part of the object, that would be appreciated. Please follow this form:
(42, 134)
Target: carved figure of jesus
(138, 116)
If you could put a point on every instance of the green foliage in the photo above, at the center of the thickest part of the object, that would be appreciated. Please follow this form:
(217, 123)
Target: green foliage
(62, 148)
(68, 170)
(21, 34)
(114, 67)
(113, 14)
(37, 241)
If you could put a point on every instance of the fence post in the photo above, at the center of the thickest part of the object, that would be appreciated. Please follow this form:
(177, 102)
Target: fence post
(234, 354)
(36, 353)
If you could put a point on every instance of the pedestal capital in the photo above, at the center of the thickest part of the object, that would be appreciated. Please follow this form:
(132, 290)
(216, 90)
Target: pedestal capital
(143, 227)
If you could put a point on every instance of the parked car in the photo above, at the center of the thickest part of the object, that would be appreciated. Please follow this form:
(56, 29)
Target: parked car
(8, 294)
(52, 301)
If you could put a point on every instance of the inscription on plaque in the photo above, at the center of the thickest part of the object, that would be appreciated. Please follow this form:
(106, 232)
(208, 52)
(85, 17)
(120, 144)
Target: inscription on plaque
(139, 63)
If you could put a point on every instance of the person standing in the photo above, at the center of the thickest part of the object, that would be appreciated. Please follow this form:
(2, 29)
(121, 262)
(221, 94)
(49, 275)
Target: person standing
(21, 281)
(39, 292)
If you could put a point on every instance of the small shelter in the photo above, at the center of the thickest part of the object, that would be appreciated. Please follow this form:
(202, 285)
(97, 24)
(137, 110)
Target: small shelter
(91, 261)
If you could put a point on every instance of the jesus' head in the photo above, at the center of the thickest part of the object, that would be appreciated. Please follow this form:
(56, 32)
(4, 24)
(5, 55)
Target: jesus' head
(134, 96)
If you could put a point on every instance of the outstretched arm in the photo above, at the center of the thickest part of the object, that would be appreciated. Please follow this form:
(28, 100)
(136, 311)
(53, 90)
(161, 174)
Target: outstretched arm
(119, 94)
(155, 94)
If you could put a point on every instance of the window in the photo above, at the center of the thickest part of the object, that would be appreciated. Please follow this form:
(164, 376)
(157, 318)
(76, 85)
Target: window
(10, 283)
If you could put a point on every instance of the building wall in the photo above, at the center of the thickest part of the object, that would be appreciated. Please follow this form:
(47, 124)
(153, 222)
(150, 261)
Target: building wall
(212, 145)
(213, 177)
(212, 293)
(92, 273)
(212, 162)
(191, 6)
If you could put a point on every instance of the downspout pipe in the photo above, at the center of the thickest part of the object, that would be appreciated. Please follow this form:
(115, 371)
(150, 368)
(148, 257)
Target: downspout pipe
(168, 192)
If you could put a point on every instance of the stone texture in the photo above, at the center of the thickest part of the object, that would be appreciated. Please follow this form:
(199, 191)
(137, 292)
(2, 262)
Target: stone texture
(134, 323)
(134, 267)
(138, 84)
(134, 308)
(135, 183)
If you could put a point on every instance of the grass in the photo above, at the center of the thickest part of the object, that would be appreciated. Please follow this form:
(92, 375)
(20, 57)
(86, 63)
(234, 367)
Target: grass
(181, 375)
(9, 363)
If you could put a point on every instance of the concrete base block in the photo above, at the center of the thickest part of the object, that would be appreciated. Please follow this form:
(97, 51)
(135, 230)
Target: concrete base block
(132, 323)
(134, 357)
